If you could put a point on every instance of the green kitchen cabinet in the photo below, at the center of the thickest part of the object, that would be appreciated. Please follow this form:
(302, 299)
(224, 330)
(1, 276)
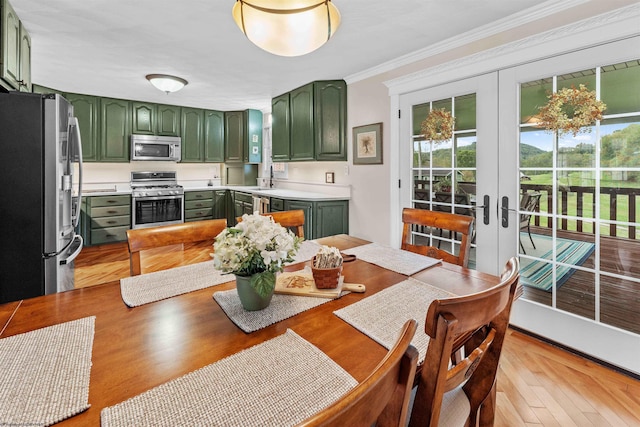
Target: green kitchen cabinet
(322, 218)
(213, 136)
(106, 219)
(307, 207)
(220, 204)
(115, 130)
(168, 120)
(192, 135)
(242, 203)
(243, 136)
(234, 136)
(143, 118)
(280, 124)
(309, 123)
(330, 120)
(15, 46)
(302, 123)
(330, 218)
(198, 205)
(87, 109)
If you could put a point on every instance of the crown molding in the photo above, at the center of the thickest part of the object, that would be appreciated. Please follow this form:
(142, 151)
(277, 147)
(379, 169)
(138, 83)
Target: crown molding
(526, 16)
(608, 27)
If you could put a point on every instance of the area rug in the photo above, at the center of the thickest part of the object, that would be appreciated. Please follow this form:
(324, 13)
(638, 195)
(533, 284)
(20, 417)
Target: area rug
(45, 373)
(539, 274)
(280, 382)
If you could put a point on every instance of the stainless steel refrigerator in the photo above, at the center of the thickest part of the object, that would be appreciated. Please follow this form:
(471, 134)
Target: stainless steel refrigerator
(40, 205)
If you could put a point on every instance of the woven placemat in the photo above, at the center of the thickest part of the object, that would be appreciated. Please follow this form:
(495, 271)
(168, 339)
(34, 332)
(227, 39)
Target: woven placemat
(45, 374)
(277, 383)
(382, 315)
(281, 307)
(398, 260)
(307, 250)
(159, 285)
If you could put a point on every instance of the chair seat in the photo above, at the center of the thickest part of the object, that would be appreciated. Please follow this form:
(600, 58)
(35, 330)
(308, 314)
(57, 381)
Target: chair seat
(455, 407)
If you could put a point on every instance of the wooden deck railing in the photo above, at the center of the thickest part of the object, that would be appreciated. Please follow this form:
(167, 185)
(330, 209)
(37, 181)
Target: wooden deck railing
(581, 204)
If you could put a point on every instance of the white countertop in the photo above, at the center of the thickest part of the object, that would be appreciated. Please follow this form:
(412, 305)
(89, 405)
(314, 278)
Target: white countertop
(120, 189)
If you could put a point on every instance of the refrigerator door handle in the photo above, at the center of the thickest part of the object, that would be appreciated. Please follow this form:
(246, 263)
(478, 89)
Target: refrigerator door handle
(77, 241)
(73, 124)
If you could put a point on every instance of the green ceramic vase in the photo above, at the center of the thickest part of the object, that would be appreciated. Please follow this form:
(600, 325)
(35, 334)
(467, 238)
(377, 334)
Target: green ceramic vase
(250, 299)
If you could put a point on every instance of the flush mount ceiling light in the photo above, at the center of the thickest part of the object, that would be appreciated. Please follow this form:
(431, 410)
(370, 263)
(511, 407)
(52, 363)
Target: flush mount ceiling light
(166, 83)
(287, 27)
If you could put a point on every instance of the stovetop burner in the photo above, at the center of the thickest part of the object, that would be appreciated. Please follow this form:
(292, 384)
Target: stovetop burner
(153, 184)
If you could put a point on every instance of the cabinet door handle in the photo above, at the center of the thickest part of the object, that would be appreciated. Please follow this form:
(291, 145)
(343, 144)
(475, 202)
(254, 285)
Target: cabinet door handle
(112, 212)
(111, 222)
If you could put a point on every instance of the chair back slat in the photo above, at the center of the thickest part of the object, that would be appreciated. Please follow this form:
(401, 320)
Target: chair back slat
(154, 237)
(461, 224)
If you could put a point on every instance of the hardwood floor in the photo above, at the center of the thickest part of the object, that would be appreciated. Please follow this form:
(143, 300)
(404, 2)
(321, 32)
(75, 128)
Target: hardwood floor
(538, 384)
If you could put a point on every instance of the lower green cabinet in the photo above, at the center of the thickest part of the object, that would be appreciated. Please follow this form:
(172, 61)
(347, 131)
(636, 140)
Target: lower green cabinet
(322, 218)
(205, 204)
(242, 204)
(106, 219)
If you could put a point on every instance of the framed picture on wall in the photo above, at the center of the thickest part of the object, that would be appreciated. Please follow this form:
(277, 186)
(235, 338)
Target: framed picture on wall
(367, 144)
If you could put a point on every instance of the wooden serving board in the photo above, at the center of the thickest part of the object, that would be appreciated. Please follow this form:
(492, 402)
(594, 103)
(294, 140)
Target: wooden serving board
(301, 283)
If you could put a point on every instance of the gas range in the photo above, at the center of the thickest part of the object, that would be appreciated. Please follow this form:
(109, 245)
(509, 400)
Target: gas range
(154, 184)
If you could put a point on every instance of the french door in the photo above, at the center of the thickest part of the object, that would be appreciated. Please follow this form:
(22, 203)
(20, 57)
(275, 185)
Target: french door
(459, 175)
(568, 206)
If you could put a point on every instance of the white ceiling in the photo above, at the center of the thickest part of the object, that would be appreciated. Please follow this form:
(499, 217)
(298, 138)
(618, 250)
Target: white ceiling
(106, 47)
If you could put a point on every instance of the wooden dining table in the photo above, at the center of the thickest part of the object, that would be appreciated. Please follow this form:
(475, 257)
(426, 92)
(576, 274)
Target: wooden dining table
(136, 349)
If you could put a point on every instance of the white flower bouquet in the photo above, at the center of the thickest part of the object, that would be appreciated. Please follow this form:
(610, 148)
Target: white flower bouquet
(256, 247)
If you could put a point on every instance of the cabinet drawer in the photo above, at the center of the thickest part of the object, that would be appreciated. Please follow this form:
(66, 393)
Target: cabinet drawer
(243, 197)
(111, 221)
(198, 195)
(99, 201)
(198, 204)
(276, 204)
(109, 235)
(110, 211)
(206, 213)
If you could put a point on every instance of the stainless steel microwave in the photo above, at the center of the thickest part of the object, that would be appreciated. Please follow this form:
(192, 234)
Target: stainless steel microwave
(150, 147)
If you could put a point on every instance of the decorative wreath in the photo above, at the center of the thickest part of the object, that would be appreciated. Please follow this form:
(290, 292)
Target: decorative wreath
(571, 110)
(438, 126)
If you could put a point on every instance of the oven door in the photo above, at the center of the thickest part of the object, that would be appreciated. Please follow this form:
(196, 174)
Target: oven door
(157, 210)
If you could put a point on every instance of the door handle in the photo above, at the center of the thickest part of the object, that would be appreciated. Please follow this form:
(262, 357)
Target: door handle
(505, 212)
(485, 209)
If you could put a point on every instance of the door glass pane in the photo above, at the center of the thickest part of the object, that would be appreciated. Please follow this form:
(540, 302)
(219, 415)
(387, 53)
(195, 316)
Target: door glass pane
(580, 198)
(444, 172)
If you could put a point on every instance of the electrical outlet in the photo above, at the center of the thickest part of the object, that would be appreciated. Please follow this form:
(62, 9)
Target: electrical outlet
(346, 170)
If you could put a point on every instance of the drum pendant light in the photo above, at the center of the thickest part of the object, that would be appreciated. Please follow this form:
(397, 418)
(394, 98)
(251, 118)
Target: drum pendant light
(287, 27)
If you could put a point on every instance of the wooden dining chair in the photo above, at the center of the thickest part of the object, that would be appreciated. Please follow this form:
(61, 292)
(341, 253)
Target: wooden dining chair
(165, 235)
(463, 393)
(382, 399)
(293, 220)
(443, 220)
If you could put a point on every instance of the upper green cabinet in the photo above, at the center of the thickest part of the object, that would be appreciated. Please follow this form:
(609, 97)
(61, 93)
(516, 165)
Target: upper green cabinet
(301, 130)
(87, 109)
(168, 120)
(15, 45)
(115, 130)
(280, 136)
(213, 136)
(330, 119)
(309, 123)
(243, 136)
(192, 135)
(143, 118)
